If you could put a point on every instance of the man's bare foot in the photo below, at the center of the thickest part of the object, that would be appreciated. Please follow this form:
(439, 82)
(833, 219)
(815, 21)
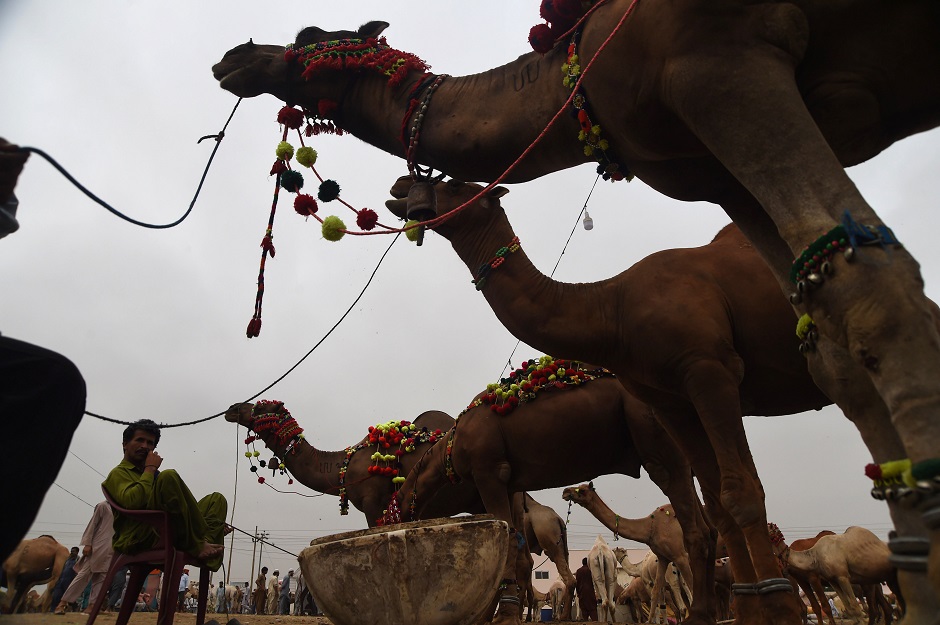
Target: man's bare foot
(227, 529)
(209, 551)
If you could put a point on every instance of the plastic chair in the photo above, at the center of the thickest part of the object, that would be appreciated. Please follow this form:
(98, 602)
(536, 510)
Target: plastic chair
(162, 556)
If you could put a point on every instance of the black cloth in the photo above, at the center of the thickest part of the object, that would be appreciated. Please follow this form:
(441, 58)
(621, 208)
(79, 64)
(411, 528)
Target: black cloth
(42, 399)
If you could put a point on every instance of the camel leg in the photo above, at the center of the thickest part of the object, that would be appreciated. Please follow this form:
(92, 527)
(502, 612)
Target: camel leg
(558, 556)
(875, 306)
(496, 500)
(658, 593)
(843, 588)
(673, 475)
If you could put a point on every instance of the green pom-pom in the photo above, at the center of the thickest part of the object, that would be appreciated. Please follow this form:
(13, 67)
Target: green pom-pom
(306, 156)
(803, 326)
(284, 151)
(329, 191)
(333, 228)
(292, 180)
(413, 233)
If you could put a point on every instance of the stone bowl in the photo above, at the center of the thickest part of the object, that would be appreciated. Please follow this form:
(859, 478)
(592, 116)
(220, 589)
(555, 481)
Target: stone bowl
(434, 572)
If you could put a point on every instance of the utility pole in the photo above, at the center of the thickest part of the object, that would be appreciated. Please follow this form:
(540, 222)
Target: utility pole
(260, 539)
(254, 543)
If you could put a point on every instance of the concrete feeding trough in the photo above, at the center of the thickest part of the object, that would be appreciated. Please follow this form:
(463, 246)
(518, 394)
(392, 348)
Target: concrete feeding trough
(434, 572)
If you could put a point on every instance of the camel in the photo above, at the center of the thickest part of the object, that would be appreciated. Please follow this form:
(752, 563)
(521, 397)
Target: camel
(233, 596)
(34, 562)
(741, 324)
(329, 472)
(636, 595)
(519, 450)
(856, 556)
(603, 567)
(660, 531)
(756, 107)
(810, 582)
(559, 598)
(663, 582)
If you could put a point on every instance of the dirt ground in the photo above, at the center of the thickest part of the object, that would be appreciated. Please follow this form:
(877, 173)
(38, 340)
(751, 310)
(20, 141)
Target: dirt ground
(150, 618)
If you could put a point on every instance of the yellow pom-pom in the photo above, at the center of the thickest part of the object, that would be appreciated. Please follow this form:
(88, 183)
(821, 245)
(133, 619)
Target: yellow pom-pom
(284, 151)
(412, 234)
(306, 156)
(248, 454)
(333, 228)
(256, 454)
(803, 326)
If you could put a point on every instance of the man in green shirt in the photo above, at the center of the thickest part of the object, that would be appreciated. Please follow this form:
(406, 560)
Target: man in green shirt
(138, 484)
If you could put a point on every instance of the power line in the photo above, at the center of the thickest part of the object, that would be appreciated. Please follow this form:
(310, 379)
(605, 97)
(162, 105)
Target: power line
(73, 495)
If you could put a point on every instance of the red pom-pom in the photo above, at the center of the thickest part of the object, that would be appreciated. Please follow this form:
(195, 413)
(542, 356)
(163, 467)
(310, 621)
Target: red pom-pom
(254, 327)
(278, 167)
(568, 9)
(289, 482)
(367, 219)
(290, 117)
(873, 471)
(326, 108)
(260, 480)
(267, 244)
(306, 205)
(541, 38)
(547, 11)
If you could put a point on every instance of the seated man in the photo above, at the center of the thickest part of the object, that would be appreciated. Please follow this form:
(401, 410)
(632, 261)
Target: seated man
(138, 484)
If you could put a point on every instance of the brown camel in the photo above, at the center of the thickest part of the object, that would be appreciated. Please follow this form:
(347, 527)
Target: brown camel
(34, 562)
(347, 473)
(659, 530)
(737, 354)
(757, 107)
(519, 450)
(856, 556)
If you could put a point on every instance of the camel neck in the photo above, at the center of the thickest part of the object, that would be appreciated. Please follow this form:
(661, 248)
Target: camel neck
(631, 529)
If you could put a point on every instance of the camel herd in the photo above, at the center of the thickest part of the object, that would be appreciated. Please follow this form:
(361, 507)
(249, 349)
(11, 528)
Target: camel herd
(761, 120)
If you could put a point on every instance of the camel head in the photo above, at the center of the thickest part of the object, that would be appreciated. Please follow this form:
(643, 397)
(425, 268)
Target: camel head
(620, 553)
(449, 196)
(250, 69)
(579, 494)
(240, 413)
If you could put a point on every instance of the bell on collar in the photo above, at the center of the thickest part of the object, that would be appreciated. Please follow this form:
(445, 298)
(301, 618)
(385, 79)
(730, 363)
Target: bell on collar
(422, 205)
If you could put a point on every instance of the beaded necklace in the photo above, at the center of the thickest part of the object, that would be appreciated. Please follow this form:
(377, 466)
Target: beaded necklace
(372, 54)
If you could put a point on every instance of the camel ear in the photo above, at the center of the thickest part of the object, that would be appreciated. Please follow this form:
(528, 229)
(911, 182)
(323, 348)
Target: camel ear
(399, 208)
(591, 485)
(498, 192)
(372, 29)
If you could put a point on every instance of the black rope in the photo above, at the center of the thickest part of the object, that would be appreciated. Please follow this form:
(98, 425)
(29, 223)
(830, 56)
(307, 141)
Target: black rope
(218, 140)
(261, 540)
(286, 373)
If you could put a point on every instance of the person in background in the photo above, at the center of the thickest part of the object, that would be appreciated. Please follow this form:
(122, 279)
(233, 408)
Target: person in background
(260, 594)
(65, 577)
(584, 589)
(43, 390)
(284, 600)
(95, 560)
(183, 589)
(273, 593)
(246, 599)
(220, 605)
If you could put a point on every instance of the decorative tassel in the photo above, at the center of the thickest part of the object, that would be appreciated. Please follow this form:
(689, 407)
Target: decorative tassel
(290, 117)
(267, 244)
(254, 327)
(278, 167)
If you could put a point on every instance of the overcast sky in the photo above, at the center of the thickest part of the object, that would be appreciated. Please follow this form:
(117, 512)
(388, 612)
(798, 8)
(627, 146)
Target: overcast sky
(119, 92)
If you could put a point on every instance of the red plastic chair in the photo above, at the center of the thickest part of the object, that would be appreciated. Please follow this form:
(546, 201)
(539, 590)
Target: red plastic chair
(162, 556)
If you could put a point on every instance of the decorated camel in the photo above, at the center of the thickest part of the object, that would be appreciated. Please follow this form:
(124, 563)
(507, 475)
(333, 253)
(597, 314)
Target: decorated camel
(636, 595)
(672, 588)
(512, 435)
(755, 106)
(368, 481)
(34, 562)
(660, 531)
(856, 556)
(603, 567)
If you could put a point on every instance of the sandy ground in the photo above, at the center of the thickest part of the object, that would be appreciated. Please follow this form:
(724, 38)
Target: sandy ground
(150, 618)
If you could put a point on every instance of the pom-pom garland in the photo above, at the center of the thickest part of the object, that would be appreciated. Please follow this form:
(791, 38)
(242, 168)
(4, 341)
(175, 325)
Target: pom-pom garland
(290, 117)
(391, 440)
(274, 425)
(533, 377)
(411, 231)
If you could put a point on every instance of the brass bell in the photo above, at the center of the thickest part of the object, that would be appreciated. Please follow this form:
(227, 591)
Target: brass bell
(849, 253)
(796, 298)
(826, 268)
(421, 205)
(815, 278)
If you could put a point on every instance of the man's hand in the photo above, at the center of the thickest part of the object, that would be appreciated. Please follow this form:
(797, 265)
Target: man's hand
(153, 460)
(11, 165)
